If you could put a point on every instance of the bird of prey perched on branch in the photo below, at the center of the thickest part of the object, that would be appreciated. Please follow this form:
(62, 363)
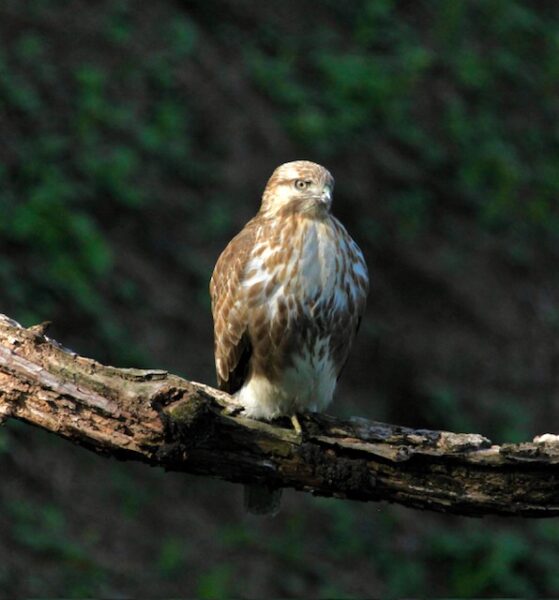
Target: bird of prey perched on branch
(288, 293)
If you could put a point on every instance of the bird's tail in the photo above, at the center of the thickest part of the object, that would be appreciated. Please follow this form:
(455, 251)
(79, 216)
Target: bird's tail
(262, 499)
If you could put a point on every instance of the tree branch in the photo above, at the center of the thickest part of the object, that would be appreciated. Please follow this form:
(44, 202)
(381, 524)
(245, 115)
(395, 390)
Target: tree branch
(163, 420)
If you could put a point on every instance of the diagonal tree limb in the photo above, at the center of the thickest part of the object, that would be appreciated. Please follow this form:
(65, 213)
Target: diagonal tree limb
(163, 420)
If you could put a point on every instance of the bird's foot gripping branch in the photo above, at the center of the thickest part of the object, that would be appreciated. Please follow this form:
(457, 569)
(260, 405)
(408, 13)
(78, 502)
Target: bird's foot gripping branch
(163, 420)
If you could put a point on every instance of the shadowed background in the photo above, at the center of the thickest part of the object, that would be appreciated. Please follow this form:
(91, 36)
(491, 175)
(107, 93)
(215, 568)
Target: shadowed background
(136, 141)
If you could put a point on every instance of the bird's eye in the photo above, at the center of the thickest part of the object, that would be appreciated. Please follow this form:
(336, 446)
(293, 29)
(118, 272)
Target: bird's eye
(301, 184)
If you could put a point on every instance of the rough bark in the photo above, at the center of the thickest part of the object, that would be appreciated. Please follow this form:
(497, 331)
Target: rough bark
(163, 420)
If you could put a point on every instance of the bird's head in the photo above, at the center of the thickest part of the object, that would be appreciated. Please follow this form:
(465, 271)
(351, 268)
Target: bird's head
(300, 186)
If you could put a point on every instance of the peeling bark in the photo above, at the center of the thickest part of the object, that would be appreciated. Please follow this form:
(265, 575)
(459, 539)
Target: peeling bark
(163, 420)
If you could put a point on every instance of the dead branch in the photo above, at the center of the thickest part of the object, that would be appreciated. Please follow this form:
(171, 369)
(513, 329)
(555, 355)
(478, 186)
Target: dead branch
(163, 420)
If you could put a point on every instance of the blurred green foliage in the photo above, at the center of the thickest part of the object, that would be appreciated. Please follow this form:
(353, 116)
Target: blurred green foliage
(447, 110)
(110, 148)
(172, 557)
(471, 69)
(215, 583)
(42, 531)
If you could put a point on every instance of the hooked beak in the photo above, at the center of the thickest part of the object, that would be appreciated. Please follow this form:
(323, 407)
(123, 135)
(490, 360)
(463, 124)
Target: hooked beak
(326, 196)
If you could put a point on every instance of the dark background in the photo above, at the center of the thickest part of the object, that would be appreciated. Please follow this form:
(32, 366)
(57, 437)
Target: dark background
(136, 138)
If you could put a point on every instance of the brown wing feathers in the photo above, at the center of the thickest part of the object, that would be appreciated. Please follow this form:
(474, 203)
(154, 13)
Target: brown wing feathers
(231, 343)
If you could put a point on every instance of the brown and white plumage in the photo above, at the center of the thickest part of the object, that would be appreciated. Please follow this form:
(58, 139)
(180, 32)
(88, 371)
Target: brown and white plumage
(287, 296)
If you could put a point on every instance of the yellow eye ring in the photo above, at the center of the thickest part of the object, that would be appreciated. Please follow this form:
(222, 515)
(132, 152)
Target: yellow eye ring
(301, 184)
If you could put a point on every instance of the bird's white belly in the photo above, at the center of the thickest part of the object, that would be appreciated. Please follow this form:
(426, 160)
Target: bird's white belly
(307, 385)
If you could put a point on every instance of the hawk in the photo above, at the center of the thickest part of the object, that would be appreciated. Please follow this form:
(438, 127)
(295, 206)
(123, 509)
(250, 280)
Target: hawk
(287, 293)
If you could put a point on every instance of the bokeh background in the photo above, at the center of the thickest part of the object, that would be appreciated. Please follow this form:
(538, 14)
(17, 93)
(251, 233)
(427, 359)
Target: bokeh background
(136, 138)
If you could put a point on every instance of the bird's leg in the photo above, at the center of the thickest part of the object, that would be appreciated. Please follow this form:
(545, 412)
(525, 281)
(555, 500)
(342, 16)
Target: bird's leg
(297, 425)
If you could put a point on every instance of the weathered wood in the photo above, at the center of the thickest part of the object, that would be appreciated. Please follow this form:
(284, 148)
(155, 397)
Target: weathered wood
(161, 419)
